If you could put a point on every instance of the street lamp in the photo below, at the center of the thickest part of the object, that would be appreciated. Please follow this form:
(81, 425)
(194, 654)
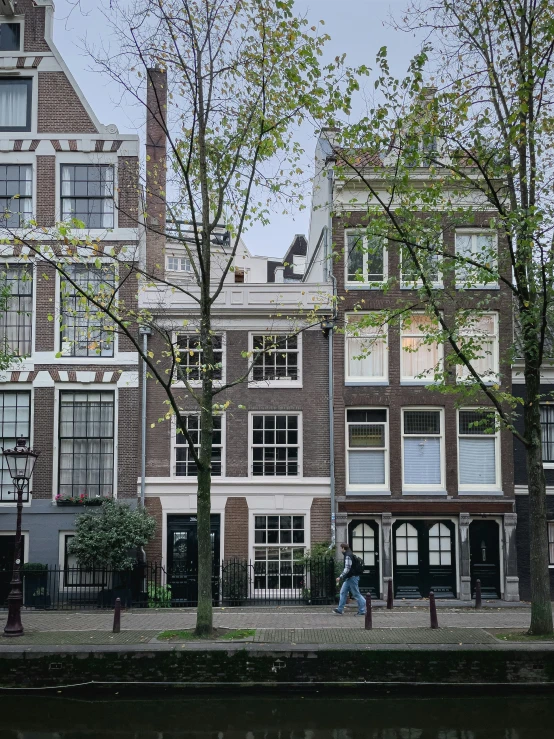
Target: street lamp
(21, 461)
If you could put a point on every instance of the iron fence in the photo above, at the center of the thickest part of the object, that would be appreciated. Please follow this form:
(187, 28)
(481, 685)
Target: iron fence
(234, 583)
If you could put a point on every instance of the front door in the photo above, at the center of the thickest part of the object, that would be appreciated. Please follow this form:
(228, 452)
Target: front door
(364, 542)
(7, 544)
(484, 547)
(182, 558)
(424, 559)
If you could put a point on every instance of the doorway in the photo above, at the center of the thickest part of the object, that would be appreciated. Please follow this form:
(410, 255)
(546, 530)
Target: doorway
(484, 552)
(363, 537)
(182, 558)
(424, 559)
(7, 544)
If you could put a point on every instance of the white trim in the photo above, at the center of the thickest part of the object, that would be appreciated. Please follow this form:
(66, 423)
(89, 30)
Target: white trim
(253, 512)
(367, 489)
(91, 159)
(173, 450)
(439, 365)
(365, 283)
(424, 489)
(300, 432)
(20, 19)
(283, 383)
(416, 284)
(19, 387)
(187, 331)
(495, 489)
(362, 379)
(470, 331)
(476, 232)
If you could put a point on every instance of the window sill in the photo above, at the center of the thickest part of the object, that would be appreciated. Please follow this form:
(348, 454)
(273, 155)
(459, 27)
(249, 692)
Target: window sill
(366, 491)
(361, 286)
(423, 492)
(494, 491)
(548, 466)
(492, 286)
(274, 384)
(366, 383)
(420, 383)
(419, 285)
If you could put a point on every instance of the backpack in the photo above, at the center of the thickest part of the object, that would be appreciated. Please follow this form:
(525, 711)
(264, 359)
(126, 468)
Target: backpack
(357, 567)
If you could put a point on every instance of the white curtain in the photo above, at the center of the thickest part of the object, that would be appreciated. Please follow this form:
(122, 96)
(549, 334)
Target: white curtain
(13, 105)
(366, 357)
(477, 461)
(422, 461)
(418, 358)
(366, 467)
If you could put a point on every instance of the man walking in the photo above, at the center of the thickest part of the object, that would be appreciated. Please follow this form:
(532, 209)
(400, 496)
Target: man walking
(351, 577)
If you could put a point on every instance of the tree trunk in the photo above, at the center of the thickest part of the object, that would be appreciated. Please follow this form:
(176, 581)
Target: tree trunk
(204, 618)
(541, 607)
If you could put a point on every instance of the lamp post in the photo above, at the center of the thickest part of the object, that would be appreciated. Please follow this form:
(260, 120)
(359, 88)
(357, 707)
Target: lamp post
(21, 461)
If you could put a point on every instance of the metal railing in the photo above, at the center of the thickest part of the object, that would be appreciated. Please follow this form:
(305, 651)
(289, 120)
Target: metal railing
(234, 583)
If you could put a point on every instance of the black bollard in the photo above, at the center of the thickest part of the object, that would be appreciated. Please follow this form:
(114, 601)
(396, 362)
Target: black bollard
(390, 597)
(433, 611)
(368, 613)
(117, 616)
(478, 601)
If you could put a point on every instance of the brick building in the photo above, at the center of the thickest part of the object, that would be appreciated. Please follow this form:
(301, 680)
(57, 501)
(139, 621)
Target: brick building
(76, 403)
(422, 497)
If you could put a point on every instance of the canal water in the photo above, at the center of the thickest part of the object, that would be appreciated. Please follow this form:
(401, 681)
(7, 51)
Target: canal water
(277, 717)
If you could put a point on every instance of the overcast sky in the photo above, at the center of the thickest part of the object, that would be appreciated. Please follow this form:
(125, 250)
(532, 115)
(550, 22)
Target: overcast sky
(357, 27)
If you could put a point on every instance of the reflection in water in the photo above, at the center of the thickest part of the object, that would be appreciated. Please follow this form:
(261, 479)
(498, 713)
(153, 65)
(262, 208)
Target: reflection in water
(279, 717)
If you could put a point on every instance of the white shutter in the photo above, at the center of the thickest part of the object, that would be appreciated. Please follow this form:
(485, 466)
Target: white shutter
(422, 461)
(477, 461)
(366, 467)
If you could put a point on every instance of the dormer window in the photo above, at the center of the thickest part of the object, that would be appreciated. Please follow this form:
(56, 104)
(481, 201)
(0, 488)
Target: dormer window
(15, 104)
(10, 36)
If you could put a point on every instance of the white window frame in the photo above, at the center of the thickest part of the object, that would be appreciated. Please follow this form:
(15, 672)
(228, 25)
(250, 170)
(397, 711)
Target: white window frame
(360, 379)
(21, 20)
(252, 536)
(416, 284)
(298, 264)
(275, 478)
(550, 533)
(283, 383)
(182, 260)
(547, 465)
(365, 284)
(407, 379)
(86, 588)
(22, 387)
(439, 489)
(198, 383)
(366, 487)
(494, 377)
(173, 460)
(477, 489)
(474, 233)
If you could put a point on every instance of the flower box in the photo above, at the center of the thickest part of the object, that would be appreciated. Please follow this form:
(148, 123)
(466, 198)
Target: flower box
(75, 502)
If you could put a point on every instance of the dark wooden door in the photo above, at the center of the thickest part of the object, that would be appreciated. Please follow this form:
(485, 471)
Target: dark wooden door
(484, 546)
(7, 544)
(364, 542)
(182, 558)
(424, 559)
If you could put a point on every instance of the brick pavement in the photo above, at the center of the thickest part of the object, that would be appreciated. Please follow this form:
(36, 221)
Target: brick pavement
(151, 620)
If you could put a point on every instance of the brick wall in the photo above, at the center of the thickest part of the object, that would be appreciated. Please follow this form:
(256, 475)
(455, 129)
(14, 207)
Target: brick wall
(236, 528)
(154, 548)
(128, 194)
(128, 461)
(45, 284)
(156, 175)
(34, 26)
(46, 191)
(520, 463)
(43, 438)
(320, 521)
(59, 108)
(523, 544)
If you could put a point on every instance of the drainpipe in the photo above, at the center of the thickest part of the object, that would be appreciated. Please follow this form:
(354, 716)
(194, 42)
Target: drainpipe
(329, 262)
(145, 332)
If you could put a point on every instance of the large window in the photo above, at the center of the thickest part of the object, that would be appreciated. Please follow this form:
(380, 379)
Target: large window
(427, 263)
(16, 320)
(88, 194)
(278, 552)
(75, 576)
(479, 247)
(276, 359)
(366, 352)
(192, 365)
(16, 190)
(185, 465)
(86, 331)
(423, 452)
(365, 258)
(547, 427)
(10, 36)
(367, 448)
(178, 264)
(477, 450)
(420, 358)
(15, 421)
(479, 340)
(15, 104)
(86, 438)
(275, 444)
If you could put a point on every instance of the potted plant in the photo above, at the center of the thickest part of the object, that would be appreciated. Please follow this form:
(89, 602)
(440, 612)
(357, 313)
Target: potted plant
(106, 539)
(68, 500)
(35, 584)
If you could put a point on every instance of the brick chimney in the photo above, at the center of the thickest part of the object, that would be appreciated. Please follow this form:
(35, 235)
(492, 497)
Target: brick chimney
(156, 170)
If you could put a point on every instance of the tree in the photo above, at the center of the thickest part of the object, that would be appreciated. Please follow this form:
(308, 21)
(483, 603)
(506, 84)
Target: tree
(108, 537)
(471, 145)
(223, 82)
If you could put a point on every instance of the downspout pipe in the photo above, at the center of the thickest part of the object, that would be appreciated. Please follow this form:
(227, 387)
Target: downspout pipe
(329, 261)
(145, 332)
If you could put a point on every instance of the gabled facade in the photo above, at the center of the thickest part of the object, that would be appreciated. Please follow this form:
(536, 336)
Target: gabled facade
(79, 409)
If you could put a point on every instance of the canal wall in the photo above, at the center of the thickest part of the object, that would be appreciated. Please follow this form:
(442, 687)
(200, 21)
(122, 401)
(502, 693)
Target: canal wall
(252, 666)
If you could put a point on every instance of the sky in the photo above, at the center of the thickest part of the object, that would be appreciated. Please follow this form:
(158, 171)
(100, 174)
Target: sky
(357, 27)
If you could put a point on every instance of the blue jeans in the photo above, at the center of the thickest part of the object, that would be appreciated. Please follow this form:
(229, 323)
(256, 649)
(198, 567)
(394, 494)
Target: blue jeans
(351, 585)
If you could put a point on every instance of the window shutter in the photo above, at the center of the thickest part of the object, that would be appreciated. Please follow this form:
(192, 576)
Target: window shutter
(422, 461)
(477, 462)
(366, 468)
